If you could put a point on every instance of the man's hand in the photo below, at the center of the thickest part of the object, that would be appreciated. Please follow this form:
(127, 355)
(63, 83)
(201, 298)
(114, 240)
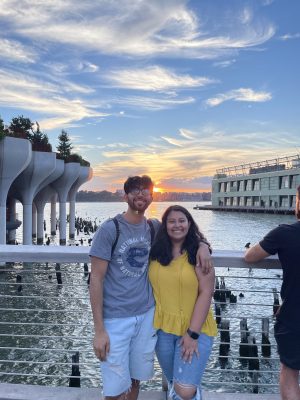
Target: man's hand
(189, 346)
(101, 345)
(203, 258)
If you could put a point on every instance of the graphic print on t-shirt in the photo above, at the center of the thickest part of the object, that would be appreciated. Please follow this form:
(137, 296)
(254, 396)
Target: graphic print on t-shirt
(133, 256)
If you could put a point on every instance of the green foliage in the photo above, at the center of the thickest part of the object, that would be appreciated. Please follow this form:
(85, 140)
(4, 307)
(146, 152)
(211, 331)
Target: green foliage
(40, 141)
(20, 127)
(78, 159)
(3, 131)
(64, 146)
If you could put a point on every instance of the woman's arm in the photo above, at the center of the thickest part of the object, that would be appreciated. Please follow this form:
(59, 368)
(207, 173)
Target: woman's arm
(205, 292)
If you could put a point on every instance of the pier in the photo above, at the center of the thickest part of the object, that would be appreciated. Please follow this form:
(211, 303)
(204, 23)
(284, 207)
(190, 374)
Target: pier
(261, 210)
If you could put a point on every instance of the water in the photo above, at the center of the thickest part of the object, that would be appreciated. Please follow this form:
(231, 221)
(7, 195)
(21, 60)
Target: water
(224, 230)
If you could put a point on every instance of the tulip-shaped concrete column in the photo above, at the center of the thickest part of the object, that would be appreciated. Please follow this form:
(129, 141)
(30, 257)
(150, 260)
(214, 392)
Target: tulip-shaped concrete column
(62, 186)
(45, 193)
(15, 155)
(12, 210)
(85, 174)
(25, 186)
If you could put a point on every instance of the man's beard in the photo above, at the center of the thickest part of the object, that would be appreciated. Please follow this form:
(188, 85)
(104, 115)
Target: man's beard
(138, 206)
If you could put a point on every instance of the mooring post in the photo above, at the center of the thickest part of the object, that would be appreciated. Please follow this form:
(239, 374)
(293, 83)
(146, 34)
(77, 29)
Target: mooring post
(276, 301)
(75, 375)
(265, 342)
(19, 280)
(225, 341)
(86, 269)
(58, 274)
(243, 350)
(217, 291)
(222, 291)
(218, 313)
(253, 362)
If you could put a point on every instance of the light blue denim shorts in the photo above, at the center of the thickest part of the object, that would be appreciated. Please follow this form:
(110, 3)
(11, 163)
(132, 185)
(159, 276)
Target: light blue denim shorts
(131, 356)
(175, 369)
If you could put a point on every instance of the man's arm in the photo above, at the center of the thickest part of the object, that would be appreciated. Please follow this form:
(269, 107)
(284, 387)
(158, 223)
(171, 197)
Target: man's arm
(203, 257)
(101, 338)
(255, 253)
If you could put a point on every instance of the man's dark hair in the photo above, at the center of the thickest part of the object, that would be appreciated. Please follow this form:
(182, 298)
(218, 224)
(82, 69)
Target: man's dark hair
(133, 182)
(162, 246)
(297, 209)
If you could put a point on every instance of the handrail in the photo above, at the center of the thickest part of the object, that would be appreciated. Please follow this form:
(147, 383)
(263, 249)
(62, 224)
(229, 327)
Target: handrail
(79, 254)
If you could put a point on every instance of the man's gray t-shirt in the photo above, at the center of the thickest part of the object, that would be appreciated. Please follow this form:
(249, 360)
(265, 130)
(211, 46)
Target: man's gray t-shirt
(126, 289)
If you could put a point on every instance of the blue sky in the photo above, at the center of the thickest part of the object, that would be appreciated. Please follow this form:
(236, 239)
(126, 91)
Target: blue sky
(170, 88)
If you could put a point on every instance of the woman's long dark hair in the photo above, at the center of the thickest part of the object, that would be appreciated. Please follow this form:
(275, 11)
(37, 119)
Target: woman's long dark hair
(161, 249)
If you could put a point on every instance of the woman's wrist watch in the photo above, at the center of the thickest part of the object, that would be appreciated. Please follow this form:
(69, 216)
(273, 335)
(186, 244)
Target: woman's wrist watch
(193, 335)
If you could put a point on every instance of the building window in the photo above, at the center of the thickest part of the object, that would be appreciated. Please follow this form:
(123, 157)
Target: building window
(222, 187)
(241, 201)
(234, 202)
(256, 202)
(240, 186)
(248, 201)
(249, 185)
(256, 184)
(284, 182)
(284, 201)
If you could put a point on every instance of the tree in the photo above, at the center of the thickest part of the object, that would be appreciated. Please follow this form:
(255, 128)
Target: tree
(40, 141)
(20, 127)
(64, 146)
(3, 130)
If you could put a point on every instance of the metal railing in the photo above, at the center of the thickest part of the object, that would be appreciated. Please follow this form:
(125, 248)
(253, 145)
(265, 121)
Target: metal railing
(46, 326)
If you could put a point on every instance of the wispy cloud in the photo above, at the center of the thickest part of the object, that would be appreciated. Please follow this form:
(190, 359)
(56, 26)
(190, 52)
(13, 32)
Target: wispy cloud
(54, 101)
(17, 52)
(154, 78)
(242, 94)
(152, 103)
(289, 36)
(136, 29)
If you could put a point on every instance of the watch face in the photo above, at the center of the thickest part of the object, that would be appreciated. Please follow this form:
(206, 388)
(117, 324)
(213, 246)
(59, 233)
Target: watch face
(193, 335)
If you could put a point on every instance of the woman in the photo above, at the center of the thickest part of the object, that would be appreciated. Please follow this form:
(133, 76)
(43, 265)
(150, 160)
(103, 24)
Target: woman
(183, 294)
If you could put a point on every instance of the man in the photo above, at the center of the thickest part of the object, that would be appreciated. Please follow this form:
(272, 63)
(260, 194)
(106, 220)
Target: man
(285, 241)
(121, 296)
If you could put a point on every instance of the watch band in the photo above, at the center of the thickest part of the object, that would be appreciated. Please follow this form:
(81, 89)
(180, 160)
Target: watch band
(193, 335)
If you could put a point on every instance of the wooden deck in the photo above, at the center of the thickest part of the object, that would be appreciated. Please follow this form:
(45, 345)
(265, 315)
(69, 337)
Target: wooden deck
(34, 392)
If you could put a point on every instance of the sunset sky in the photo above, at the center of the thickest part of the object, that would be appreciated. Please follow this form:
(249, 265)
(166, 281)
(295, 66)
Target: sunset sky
(169, 88)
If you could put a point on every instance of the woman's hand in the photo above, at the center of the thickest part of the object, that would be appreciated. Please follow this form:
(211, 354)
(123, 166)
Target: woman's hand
(203, 258)
(189, 346)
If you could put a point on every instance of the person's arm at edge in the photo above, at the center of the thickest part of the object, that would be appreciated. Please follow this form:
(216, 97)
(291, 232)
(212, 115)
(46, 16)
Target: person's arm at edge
(255, 253)
(101, 338)
(201, 309)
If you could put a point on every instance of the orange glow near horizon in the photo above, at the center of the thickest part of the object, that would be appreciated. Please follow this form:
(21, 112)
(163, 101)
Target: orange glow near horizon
(158, 190)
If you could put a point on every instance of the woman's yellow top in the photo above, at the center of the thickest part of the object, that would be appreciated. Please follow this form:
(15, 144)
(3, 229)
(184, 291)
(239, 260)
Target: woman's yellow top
(175, 289)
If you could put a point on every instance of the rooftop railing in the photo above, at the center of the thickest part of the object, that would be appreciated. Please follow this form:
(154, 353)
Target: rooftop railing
(46, 326)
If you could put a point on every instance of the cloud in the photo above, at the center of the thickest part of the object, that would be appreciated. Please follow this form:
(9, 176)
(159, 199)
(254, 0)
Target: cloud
(152, 103)
(154, 78)
(143, 28)
(242, 94)
(16, 52)
(224, 64)
(54, 101)
(290, 36)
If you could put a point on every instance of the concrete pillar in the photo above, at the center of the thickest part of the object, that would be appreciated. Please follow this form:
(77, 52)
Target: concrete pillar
(62, 186)
(53, 215)
(15, 155)
(25, 186)
(44, 194)
(85, 174)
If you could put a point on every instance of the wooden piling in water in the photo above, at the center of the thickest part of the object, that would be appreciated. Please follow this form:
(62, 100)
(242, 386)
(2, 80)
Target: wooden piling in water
(265, 342)
(276, 301)
(75, 374)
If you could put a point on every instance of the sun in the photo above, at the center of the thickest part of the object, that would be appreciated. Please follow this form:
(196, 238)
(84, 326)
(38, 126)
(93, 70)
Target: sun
(157, 190)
